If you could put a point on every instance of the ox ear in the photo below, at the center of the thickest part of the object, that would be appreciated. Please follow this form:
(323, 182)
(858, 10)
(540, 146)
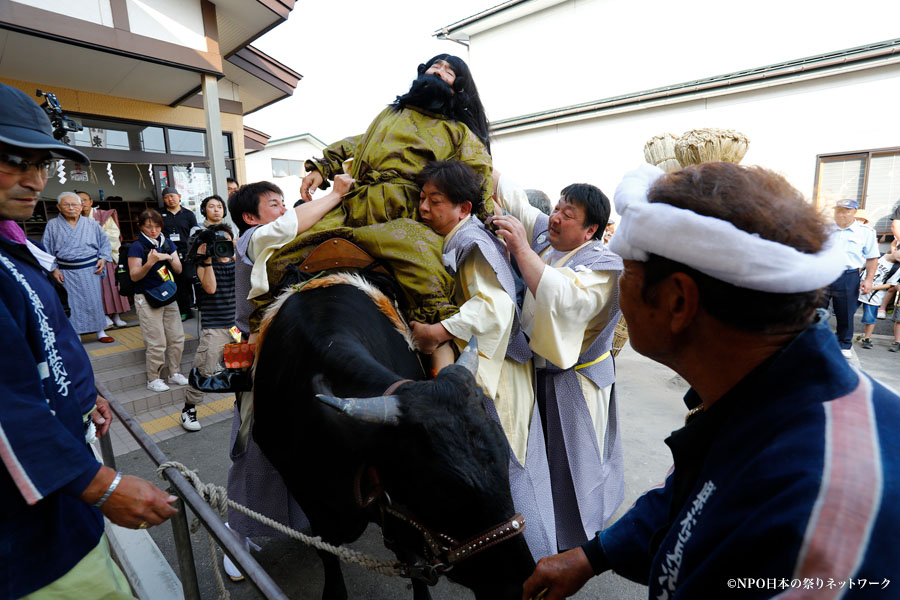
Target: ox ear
(381, 410)
(469, 356)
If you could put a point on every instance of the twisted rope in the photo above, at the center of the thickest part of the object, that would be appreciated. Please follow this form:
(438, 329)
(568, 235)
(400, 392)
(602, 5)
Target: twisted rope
(217, 497)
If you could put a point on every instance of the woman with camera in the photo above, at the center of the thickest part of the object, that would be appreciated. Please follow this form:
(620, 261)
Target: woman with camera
(153, 263)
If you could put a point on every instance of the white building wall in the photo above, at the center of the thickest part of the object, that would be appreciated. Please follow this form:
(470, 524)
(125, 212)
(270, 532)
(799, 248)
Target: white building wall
(175, 21)
(787, 126)
(585, 50)
(259, 164)
(95, 11)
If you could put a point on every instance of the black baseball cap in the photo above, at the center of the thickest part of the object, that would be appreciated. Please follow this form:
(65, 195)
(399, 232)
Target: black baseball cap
(25, 124)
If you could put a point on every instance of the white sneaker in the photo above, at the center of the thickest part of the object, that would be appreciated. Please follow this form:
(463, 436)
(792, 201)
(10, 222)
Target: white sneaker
(178, 379)
(189, 419)
(157, 385)
(231, 569)
(118, 321)
(848, 354)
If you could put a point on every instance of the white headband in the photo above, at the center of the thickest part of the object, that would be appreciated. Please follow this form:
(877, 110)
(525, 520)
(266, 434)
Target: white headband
(713, 246)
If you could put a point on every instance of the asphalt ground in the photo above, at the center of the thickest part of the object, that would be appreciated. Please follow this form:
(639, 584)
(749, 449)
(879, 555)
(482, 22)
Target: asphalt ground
(649, 397)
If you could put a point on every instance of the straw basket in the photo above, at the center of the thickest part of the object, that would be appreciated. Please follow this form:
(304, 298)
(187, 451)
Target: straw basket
(620, 336)
(660, 151)
(711, 145)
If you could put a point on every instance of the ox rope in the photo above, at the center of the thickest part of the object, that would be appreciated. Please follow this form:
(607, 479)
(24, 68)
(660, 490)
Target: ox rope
(217, 498)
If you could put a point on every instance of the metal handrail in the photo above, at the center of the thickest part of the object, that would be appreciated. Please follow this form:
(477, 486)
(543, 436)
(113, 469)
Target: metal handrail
(207, 516)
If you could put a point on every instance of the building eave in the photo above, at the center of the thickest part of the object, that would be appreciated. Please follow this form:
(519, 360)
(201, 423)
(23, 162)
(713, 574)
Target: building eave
(492, 17)
(813, 67)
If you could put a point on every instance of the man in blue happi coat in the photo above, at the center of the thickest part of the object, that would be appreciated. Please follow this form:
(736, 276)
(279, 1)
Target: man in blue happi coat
(786, 479)
(53, 492)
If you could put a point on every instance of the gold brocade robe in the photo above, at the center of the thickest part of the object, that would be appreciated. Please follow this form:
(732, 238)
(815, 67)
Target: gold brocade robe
(380, 213)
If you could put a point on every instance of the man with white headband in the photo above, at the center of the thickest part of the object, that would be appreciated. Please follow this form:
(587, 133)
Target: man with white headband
(569, 315)
(786, 475)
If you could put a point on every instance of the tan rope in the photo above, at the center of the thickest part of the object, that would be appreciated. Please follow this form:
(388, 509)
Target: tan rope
(217, 497)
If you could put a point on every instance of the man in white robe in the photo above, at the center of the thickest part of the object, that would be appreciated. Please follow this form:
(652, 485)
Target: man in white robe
(569, 314)
(485, 294)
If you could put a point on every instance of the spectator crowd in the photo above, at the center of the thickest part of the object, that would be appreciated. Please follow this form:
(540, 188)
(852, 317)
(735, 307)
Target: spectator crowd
(786, 464)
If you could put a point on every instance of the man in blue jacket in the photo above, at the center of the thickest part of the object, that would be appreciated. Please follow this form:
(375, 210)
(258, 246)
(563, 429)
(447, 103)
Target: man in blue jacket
(786, 479)
(53, 492)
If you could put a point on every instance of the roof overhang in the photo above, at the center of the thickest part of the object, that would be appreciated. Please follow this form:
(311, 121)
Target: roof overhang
(54, 50)
(462, 30)
(240, 22)
(254, 140)
(262, 79)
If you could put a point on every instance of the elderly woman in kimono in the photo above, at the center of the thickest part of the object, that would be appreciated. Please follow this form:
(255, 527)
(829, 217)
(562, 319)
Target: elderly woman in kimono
(82, 250)
(114, 304)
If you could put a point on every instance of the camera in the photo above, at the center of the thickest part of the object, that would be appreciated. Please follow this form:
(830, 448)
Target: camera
(217, 246)
(61, 123)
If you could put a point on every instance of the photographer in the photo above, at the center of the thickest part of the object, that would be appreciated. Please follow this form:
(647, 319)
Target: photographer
(213, 248)
(213, 210)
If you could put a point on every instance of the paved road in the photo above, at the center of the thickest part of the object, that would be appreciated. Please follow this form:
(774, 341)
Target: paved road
(651, 407)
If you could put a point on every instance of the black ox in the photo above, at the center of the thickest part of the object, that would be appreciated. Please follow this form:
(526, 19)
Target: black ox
(424, 461)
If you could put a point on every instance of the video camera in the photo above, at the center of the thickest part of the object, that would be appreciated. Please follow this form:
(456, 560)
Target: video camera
(61, 123)
(217, 246)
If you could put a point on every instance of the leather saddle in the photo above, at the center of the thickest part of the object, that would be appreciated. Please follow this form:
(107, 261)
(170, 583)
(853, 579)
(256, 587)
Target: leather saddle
(338, 253)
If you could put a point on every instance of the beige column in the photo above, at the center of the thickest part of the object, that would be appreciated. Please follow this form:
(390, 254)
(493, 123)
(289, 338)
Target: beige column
(214, 148)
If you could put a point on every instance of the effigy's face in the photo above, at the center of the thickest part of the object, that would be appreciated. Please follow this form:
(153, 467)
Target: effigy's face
(443, 70)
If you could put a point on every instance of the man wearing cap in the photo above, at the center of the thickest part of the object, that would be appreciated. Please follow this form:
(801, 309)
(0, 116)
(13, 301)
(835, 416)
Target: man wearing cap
(860, 248)
(788, 467)
(53, 492)
(177, 225)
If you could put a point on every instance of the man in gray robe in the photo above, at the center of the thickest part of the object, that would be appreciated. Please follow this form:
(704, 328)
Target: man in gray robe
(82, 250)
(569, 315)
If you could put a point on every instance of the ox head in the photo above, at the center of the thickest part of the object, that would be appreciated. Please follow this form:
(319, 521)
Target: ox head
(444, 461)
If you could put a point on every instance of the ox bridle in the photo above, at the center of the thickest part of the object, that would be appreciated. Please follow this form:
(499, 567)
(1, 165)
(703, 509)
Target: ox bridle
(441, 551)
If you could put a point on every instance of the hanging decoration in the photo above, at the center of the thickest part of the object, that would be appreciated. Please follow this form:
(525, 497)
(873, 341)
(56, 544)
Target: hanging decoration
(61, 171)
(109, 172)
(191, 173)
(77, 173)
(141, 181)
(150, 171)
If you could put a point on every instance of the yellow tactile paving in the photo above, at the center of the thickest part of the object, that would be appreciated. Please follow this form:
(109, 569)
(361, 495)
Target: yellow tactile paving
(174, 420)
(129, 338)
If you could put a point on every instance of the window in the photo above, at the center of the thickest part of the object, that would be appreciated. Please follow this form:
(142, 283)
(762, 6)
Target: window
(99, 133)
(182, 141)
(871, 178)
(282, 167)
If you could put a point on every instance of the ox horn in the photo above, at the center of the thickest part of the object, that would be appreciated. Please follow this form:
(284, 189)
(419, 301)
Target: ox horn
(382, 410)
(469, 356)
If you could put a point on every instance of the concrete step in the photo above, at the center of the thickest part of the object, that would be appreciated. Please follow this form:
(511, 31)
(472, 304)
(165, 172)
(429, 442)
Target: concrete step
(134, 375)
(128, 358)
(138, 399)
